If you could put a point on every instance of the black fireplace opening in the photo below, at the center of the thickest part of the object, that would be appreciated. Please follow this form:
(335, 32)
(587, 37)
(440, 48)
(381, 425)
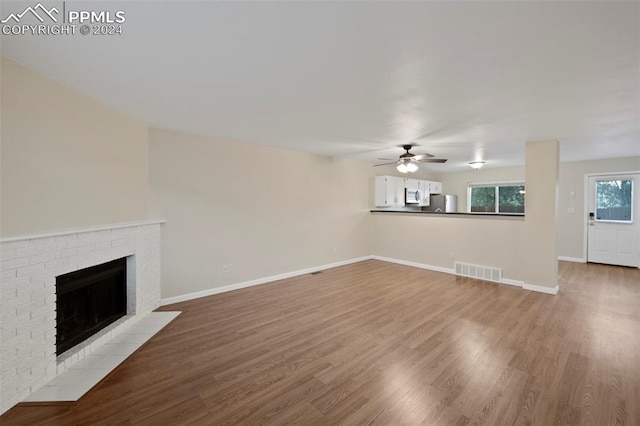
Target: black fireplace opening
(88, 300)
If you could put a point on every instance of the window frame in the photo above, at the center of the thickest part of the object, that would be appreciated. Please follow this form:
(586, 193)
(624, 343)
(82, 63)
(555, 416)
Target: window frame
(496, 185)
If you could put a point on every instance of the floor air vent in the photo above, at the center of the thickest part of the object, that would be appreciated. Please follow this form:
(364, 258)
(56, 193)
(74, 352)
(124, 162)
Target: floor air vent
(316, 272)
(477, 271)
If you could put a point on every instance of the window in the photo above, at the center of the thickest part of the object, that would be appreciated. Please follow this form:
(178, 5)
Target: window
(504, 198)
(613, 200)
(483, 199)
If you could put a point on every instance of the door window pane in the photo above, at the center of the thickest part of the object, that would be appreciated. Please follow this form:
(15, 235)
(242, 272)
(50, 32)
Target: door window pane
(511, 199)
(483, 199)
(613, 200)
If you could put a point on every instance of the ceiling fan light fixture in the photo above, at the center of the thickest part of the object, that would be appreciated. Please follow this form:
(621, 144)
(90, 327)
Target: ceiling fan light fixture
(475, 165)
(407, 166)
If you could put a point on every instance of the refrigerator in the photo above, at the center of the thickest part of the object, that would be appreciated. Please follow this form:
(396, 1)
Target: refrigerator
(442, 204)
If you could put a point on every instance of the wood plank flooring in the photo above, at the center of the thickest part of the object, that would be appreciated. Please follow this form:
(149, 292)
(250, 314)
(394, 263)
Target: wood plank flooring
(380, 343)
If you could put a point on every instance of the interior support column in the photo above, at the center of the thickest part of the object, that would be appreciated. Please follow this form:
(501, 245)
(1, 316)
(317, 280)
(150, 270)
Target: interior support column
(540, 245)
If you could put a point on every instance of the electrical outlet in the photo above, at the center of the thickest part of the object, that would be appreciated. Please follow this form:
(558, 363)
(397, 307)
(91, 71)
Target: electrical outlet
(452, 255)
(225, 268)
(230, 267)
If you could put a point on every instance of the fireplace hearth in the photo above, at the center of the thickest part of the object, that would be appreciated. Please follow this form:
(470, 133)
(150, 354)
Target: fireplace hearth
(88, 300)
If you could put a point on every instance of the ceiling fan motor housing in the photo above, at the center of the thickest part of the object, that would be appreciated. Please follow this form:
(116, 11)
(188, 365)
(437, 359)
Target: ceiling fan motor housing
(407, 154)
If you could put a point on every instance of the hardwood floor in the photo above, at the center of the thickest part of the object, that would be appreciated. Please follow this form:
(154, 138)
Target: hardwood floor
(380, 343)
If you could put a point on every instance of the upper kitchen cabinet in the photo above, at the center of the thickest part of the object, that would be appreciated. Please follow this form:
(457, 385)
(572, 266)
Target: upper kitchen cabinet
(435, 187)
(412, 184)
(425, 193)
(389, 191)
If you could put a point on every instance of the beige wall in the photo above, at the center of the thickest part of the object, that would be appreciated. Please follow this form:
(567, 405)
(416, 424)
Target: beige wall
(67, 161)
(266, 211)
(540, 246)
(439, 240)
(571, 225)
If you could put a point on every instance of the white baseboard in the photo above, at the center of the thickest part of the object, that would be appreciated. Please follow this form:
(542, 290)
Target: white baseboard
(237, 286)
(217, 290)
(572, 259)
(414, 264)
(516, 283)
(541, 289)
(451, 271)
(506, 281)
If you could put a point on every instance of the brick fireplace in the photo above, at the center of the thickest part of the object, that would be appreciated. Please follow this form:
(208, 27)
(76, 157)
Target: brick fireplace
(30, 265)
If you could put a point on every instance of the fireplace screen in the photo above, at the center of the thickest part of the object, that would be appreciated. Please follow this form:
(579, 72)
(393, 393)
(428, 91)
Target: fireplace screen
(89, 300)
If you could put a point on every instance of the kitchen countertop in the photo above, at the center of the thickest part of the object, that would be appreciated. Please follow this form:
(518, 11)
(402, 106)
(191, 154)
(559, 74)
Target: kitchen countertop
(514, 215)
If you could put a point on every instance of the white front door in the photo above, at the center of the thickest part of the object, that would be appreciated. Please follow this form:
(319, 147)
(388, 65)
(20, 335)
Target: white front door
(614, 220)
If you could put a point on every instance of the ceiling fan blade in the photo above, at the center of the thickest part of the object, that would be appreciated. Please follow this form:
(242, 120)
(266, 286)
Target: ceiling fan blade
(432, 160)
(422, 156)
(385, 164)
(385, 159)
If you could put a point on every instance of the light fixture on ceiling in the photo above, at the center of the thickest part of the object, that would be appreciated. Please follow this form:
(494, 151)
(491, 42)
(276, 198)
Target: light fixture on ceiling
(407, 167)
(475, 165)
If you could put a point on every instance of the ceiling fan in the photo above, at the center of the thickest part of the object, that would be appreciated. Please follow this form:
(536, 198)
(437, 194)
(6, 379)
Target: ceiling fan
(406, 163)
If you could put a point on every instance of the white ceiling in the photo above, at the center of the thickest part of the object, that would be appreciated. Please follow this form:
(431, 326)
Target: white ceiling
(463, 80)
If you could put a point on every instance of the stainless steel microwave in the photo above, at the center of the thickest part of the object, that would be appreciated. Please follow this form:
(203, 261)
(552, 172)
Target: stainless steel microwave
(413, 196)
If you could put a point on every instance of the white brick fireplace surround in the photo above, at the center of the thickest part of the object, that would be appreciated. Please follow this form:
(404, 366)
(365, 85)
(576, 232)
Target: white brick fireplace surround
(29, 268)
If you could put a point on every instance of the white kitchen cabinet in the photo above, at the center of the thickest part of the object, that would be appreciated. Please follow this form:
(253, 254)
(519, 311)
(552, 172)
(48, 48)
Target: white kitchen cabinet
(412, 184)
(425, 192)
(435, 187)
(389, 191)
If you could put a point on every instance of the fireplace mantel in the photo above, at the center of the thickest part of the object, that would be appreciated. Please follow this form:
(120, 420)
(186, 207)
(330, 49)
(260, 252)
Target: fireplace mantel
(70, 231)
